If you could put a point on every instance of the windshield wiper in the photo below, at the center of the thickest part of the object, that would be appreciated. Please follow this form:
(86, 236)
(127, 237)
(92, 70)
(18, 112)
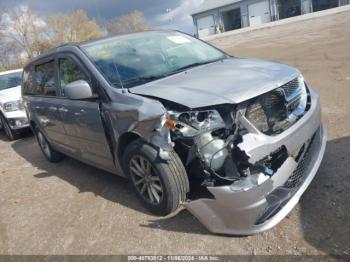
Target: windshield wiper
(195, 65)
(143, 79)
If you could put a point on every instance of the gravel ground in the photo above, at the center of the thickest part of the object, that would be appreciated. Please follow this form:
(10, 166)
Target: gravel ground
(72, 208)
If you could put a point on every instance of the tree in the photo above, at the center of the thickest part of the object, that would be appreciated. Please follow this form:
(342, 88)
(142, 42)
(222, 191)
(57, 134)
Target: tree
(133, 22)
(24, 35)
(23, 29)
(74, 26)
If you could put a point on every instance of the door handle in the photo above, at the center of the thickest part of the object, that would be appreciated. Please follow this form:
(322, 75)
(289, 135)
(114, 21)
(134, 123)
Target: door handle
(52, 108)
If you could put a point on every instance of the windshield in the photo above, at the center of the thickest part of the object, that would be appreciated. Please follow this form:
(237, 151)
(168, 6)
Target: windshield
(10, 80)
(131, 60)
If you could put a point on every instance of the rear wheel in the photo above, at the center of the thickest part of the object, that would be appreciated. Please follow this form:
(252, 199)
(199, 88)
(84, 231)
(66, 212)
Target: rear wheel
(51, 154)
(160, 185)
(10, 134)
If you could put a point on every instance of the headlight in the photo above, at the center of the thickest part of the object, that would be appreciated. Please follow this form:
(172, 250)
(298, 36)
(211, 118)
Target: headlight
(193, 123)
(303, 95)
(13, 106)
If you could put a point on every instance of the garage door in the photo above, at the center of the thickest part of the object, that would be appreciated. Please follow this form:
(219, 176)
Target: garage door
(206, 26)
(259, 13)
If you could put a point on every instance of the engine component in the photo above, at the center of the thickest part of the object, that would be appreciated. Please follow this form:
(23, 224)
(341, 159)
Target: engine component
(194, 123)
(212, 150)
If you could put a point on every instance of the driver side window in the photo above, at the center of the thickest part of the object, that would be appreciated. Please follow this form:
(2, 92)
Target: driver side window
(69, 71)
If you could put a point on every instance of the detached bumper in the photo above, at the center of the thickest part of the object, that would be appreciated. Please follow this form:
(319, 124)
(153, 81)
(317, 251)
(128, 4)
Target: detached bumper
(258, 203)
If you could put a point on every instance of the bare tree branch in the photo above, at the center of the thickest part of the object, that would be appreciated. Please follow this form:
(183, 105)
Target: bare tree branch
(133, 22)
(24, 29)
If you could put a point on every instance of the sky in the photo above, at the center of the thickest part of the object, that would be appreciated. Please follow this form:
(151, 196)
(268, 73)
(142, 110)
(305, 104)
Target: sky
(173, 14)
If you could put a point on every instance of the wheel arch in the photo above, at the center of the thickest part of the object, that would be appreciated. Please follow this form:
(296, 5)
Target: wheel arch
(32, 124)
(123, 142)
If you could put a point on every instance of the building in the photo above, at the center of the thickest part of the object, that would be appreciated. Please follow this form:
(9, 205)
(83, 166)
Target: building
(215, 16)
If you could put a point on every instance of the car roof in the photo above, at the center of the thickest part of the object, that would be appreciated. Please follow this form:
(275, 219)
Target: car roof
(122, 35)
(10, 72)
(70, 46)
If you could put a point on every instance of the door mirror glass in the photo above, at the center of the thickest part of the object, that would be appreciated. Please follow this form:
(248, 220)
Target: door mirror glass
(78, 90)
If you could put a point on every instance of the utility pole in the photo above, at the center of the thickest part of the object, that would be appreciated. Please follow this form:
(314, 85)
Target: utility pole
(168, 11)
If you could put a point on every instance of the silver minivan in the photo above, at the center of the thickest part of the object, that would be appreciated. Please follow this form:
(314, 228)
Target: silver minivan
(235, 141)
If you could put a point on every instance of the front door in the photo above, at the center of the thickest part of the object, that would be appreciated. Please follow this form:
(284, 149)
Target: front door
(81, 118)
(259, 13)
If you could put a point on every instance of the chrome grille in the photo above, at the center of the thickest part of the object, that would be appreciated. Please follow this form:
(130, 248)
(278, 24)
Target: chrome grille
(291, 87)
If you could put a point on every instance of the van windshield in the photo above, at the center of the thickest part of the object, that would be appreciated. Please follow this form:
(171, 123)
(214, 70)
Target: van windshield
(131, 60)
(10, 80)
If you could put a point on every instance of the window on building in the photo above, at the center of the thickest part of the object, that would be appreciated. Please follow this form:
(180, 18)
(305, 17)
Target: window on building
(289, 8)
(319, 5)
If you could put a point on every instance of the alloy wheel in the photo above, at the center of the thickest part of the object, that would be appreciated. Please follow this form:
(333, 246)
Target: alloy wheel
(44, 145)
(145, 179)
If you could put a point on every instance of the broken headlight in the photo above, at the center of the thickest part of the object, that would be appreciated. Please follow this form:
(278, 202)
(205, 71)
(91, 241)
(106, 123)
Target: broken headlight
(277, 110)
(193, 123)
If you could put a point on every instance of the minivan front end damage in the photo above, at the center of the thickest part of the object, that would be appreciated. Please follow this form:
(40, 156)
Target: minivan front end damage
(258, 203)
(255, 174)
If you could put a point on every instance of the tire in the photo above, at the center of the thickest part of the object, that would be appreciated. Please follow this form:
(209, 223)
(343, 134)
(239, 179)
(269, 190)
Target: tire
(10, 134)
(167, 178)
(51, 154)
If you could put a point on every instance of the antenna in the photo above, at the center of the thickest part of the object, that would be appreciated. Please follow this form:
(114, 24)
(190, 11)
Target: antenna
(119, 76)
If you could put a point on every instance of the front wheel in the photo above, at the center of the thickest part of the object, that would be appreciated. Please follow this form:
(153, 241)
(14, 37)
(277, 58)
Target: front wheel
(10, 134)
(50, 154)
(160, 185)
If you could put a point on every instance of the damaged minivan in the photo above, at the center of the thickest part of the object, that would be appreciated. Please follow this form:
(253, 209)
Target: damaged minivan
(235, 141)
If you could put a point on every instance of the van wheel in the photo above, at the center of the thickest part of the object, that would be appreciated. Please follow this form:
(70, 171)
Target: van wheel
(51, 154)
(10, 134)
(161, 185)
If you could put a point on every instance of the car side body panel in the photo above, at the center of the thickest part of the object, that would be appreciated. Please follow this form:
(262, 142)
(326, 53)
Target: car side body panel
(117, 111)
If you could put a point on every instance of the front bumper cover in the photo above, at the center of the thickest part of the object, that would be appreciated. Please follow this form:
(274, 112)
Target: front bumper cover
(258, 203)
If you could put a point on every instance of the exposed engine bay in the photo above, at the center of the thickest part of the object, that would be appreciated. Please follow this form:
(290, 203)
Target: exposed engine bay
(211, 139)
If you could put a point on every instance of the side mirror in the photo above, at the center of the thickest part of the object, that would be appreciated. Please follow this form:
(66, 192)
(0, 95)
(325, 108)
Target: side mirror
(78, 90)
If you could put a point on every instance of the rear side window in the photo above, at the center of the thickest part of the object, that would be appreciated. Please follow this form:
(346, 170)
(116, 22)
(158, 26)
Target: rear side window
(45, 79)
(69, 71)
(28, 82)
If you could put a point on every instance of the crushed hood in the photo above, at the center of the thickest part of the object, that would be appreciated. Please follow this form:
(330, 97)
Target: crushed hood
(229, 81)
(10, 94)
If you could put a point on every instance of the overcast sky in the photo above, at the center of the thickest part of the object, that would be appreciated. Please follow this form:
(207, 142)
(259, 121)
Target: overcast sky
(154, 10)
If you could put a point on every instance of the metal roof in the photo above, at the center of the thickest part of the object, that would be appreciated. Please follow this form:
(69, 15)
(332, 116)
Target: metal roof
(212, 4)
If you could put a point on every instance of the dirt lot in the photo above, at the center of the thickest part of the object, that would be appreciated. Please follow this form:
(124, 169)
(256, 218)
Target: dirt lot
(71, 208)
